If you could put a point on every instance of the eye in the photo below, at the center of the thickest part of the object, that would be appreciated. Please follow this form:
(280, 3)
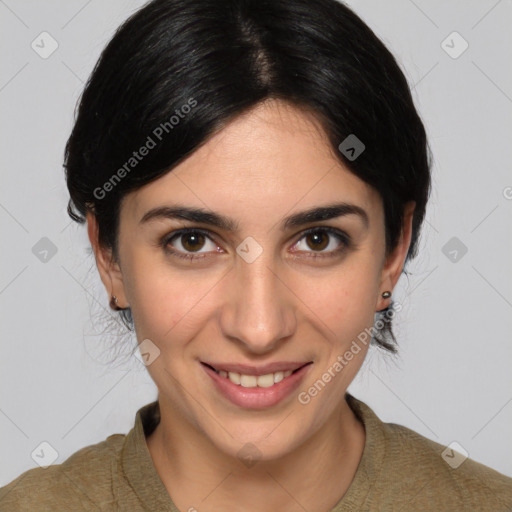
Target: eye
(321, 238)
(187, 244)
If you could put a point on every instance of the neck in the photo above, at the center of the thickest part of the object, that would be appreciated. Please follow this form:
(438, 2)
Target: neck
(314, 476)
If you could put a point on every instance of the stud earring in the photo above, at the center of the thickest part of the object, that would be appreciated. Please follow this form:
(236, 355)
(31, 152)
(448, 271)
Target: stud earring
(114, 303)
(386, 294)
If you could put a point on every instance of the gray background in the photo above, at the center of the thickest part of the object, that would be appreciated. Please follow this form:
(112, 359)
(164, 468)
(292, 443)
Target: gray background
(452, 381)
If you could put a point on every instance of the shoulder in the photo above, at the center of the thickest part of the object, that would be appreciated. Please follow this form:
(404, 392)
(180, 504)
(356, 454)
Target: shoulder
(403, 470)
(82, 482)
(443, 475)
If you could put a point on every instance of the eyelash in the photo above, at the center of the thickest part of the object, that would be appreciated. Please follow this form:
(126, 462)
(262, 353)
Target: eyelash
(340, 235)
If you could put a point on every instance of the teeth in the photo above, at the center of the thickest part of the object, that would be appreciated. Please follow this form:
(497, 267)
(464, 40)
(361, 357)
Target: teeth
(234, 377)
(252, 381)
(248, 381)
(265, 381)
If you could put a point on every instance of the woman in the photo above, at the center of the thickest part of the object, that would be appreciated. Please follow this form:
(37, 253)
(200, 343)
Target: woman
(252, 198)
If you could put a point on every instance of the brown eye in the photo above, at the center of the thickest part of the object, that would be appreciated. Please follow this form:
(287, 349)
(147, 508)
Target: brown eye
(192, 241)
(319, 240)
(325, 241)
(189, 244)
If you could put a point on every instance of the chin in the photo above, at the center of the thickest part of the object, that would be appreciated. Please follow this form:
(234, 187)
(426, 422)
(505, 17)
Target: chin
(253, 441)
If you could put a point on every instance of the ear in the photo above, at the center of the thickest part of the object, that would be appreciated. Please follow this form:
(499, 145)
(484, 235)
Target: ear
(109, 269)
(394, 263)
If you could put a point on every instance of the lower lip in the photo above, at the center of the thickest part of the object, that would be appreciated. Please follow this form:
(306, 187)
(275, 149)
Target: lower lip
(257, 398)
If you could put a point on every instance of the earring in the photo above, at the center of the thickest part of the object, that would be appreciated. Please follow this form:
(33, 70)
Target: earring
(386, 295)
(114, 303)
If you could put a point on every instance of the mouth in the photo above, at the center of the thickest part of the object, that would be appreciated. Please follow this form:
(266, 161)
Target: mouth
(256, 377)
(256, 388)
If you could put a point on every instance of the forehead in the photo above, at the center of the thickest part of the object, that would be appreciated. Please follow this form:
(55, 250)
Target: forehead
(273, 158)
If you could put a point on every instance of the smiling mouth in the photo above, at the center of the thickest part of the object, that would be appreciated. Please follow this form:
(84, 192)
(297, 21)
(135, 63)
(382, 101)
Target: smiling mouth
(253, 381)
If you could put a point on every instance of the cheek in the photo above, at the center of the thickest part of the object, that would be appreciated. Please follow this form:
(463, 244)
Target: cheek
(159, 304)
(345, 299)
(167, 303)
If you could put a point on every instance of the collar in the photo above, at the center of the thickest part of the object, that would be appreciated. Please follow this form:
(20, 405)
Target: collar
(138, 465)
(372, 460)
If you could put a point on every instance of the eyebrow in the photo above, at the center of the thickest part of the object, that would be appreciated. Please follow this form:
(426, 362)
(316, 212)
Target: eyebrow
(200, 215)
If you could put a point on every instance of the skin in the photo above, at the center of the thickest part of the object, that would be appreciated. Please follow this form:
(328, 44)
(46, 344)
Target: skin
(284, 306)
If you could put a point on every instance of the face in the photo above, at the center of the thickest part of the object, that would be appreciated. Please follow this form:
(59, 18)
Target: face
(265, 293)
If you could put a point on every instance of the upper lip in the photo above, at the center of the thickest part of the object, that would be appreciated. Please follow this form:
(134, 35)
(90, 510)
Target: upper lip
(246, 369)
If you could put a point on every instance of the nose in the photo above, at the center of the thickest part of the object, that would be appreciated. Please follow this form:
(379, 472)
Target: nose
(260, 310)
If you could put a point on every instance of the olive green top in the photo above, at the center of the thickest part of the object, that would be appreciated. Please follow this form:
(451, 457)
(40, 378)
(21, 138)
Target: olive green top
(400, 470)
